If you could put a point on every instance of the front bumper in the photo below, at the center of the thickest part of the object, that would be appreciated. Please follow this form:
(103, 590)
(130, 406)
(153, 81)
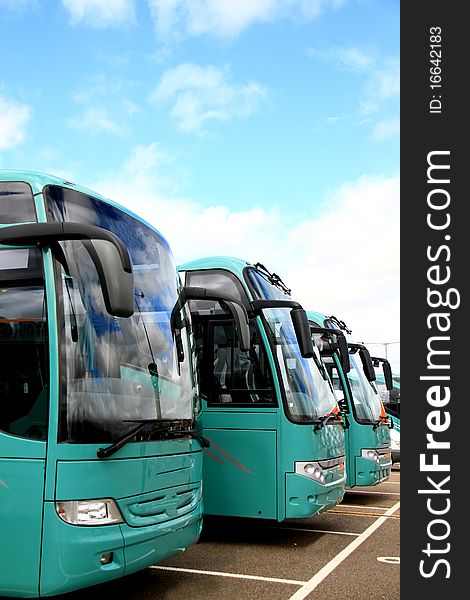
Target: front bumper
(369, 472)
(306, 497)
(72, 554)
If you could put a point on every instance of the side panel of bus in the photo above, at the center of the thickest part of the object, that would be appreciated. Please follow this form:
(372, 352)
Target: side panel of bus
(240, 464)
(21, 494)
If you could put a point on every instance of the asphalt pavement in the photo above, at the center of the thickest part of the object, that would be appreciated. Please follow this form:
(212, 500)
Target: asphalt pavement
(352, 551)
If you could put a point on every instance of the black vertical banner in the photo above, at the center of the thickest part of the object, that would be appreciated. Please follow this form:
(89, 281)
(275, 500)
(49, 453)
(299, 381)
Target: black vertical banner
(435, 269)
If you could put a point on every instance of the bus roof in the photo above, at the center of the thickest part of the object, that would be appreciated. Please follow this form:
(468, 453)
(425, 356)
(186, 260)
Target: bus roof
(317, 317)
(229, 263)
(38, 180)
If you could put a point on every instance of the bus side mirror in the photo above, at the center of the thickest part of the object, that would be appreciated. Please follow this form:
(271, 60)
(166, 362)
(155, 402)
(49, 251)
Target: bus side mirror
(117, 285)
(343, 353)
(387, 370)
(336, 342)
(109, 255)
(235, 307)
(367, 365)
(302, 331)
(299, 321)
(387, 374)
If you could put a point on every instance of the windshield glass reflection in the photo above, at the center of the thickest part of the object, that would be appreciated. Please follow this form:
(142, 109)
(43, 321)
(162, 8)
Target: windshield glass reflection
(366, 401)
(119, 369)
(309, 394)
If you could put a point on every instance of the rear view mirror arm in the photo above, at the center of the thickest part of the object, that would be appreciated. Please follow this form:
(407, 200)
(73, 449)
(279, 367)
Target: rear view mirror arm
(45, 234)
(387, 370)
(299, 321)
(366, 360)
(234, 305)
(342, 344)
(112, 260)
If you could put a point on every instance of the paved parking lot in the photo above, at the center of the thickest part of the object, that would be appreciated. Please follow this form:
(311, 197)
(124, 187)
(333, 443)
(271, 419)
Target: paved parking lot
(351, 551)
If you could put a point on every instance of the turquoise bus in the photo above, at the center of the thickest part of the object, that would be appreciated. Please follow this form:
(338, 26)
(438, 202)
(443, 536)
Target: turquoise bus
(368, 451)
(100, 448)
(389, 390)
(269, 412)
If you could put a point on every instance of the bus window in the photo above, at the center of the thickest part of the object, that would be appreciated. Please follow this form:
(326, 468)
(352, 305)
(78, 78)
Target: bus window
(24, 369)
(121, 369)
(237, 376)
(337, 383)
(16, 203)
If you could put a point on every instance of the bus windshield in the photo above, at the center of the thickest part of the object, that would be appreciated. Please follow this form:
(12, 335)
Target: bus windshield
(119, 371)
(309, 393)
(23, 345)
(366, 400)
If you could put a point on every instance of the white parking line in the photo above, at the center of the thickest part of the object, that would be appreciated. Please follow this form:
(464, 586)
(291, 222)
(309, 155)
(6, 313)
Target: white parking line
(362, 506)
(364, 493)
(235, 575)
(305, 590)
(316, 530)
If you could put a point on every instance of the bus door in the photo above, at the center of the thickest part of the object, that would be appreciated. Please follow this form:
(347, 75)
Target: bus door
(239, 419)
(343, 397)
(24, 376)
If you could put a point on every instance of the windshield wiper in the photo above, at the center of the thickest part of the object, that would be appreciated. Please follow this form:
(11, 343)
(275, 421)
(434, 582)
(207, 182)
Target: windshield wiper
(152, 367)
(322, 421)
(273, 278)
(205, 443)
(379, 421)
(321, 368)
(126, 437)
(341, 324)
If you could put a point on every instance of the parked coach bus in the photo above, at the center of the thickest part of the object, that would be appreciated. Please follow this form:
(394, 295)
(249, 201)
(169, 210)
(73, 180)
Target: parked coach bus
(277, 439)
(100, 457)
(389, 391)
(368, 451)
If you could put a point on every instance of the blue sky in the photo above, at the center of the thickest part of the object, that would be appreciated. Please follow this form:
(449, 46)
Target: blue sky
(265, 129)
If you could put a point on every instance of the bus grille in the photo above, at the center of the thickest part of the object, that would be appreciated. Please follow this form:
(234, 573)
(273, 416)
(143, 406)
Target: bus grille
(332, 437)
(160, 506)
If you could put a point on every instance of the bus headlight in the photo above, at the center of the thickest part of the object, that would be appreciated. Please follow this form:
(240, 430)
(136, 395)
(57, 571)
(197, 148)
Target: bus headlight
(89, 512)
(370, 455)
(310, 469)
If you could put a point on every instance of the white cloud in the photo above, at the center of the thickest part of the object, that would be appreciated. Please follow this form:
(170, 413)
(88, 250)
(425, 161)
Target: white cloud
(13, 120)
(351, 254)
(121, 59)
(106, 107)
(101, 13)
(386, 129)
(342, 261)
(382, 76)
(383, 84)
(227, 18)
(200, 94)
(145, 160)
(102, 86)
(351, 59)
(96, 120)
